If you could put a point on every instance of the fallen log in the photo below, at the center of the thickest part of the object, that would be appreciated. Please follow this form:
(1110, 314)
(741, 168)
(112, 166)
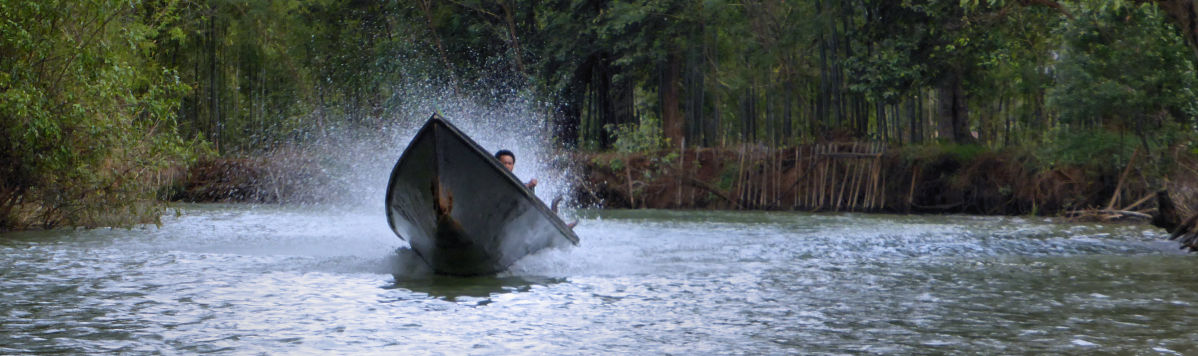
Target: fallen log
(710, 188)
(1108, 215)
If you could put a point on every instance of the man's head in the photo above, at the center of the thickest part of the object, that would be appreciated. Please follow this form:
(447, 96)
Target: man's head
(507, 158)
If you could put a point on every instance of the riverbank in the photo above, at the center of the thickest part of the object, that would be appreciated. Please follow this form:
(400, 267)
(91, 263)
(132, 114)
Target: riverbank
(820, 177)
(844, 177)
(860, 177)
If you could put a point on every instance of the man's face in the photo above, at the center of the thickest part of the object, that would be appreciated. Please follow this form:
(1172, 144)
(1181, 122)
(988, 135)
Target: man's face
(509, 162)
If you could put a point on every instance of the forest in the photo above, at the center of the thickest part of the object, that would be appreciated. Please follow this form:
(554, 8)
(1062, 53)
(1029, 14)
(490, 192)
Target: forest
(106, 104)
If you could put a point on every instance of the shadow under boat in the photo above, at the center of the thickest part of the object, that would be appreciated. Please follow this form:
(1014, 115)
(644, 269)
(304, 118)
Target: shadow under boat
(461, 211)
(453, 288)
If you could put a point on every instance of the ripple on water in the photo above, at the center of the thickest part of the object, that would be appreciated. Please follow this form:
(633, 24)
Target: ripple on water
(310, 280)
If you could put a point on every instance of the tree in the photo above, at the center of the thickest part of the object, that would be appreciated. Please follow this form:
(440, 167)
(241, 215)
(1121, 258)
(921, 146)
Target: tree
(86, 115)
(1120, 69)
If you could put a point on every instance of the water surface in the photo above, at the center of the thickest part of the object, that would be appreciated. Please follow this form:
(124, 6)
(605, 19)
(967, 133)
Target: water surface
(278, 280)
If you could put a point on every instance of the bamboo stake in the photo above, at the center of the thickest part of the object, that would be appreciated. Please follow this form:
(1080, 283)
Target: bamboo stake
(766, 180)
(866, 177)
(778, 169)
(628, 175)
(757, 178)
(751, 178)
(911, 192)
(1119, 186)
(862, 184)
(778, 178)
(879, 189)
(812, 193)
(868, 197)
(826, 190)
(881, 177)
(847, 182)
(843, 184)
(1141, 201)
(873, 176)
(763, 179)
(762, 189)
(817, 187)
(692, 189)
(828, 180)
(760, 178)
(881, 185)
(795, 204)
(772, 179)
(855, 165)
(678, 174)
(829, 183)
(747, 193)
(850, 179)
(809, 177)
(740, 173)
(859, 177)
(812, 176)
(821, 186)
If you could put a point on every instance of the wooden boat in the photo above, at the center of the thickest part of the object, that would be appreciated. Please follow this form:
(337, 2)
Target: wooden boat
(462, 212)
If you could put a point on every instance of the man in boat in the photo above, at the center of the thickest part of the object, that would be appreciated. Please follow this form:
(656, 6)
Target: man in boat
(508, 159)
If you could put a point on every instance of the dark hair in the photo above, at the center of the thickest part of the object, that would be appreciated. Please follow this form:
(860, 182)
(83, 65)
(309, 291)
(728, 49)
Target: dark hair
(502, 153)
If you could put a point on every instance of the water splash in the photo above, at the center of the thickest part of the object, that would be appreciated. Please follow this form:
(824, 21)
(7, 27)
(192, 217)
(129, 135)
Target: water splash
(358, 160)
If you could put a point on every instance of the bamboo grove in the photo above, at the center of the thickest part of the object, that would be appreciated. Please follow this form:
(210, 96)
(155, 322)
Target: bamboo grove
(784, 72)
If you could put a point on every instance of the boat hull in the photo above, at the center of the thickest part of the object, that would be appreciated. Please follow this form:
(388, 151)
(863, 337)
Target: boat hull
(461, 211)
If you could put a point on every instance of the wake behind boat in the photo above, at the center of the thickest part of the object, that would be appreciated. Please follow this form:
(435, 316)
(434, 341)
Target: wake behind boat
(460, 210)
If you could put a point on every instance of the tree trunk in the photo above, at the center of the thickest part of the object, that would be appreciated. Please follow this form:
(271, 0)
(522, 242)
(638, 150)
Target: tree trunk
(510, 21)
(694, 96)
(427, 10)
(568, 116)
(952, 110)
(671, 117)
(213, 93)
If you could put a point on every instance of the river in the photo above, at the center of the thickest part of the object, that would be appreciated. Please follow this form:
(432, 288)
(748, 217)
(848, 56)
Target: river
(284, 280)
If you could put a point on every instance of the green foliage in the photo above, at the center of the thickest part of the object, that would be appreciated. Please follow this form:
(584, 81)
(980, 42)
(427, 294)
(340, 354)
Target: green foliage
(643, 137)
(87, 116)
(962, 153)
(615, 164)
(1095, 148)
(791, 71)
(901, 47)
(1121, 68)
(728, 177)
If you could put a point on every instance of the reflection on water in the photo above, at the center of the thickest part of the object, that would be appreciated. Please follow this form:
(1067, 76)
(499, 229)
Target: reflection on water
(278, 280)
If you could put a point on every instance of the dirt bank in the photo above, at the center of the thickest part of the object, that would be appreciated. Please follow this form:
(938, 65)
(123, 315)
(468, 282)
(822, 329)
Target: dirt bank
(826, 177)
(860, 177)
(278, 177)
